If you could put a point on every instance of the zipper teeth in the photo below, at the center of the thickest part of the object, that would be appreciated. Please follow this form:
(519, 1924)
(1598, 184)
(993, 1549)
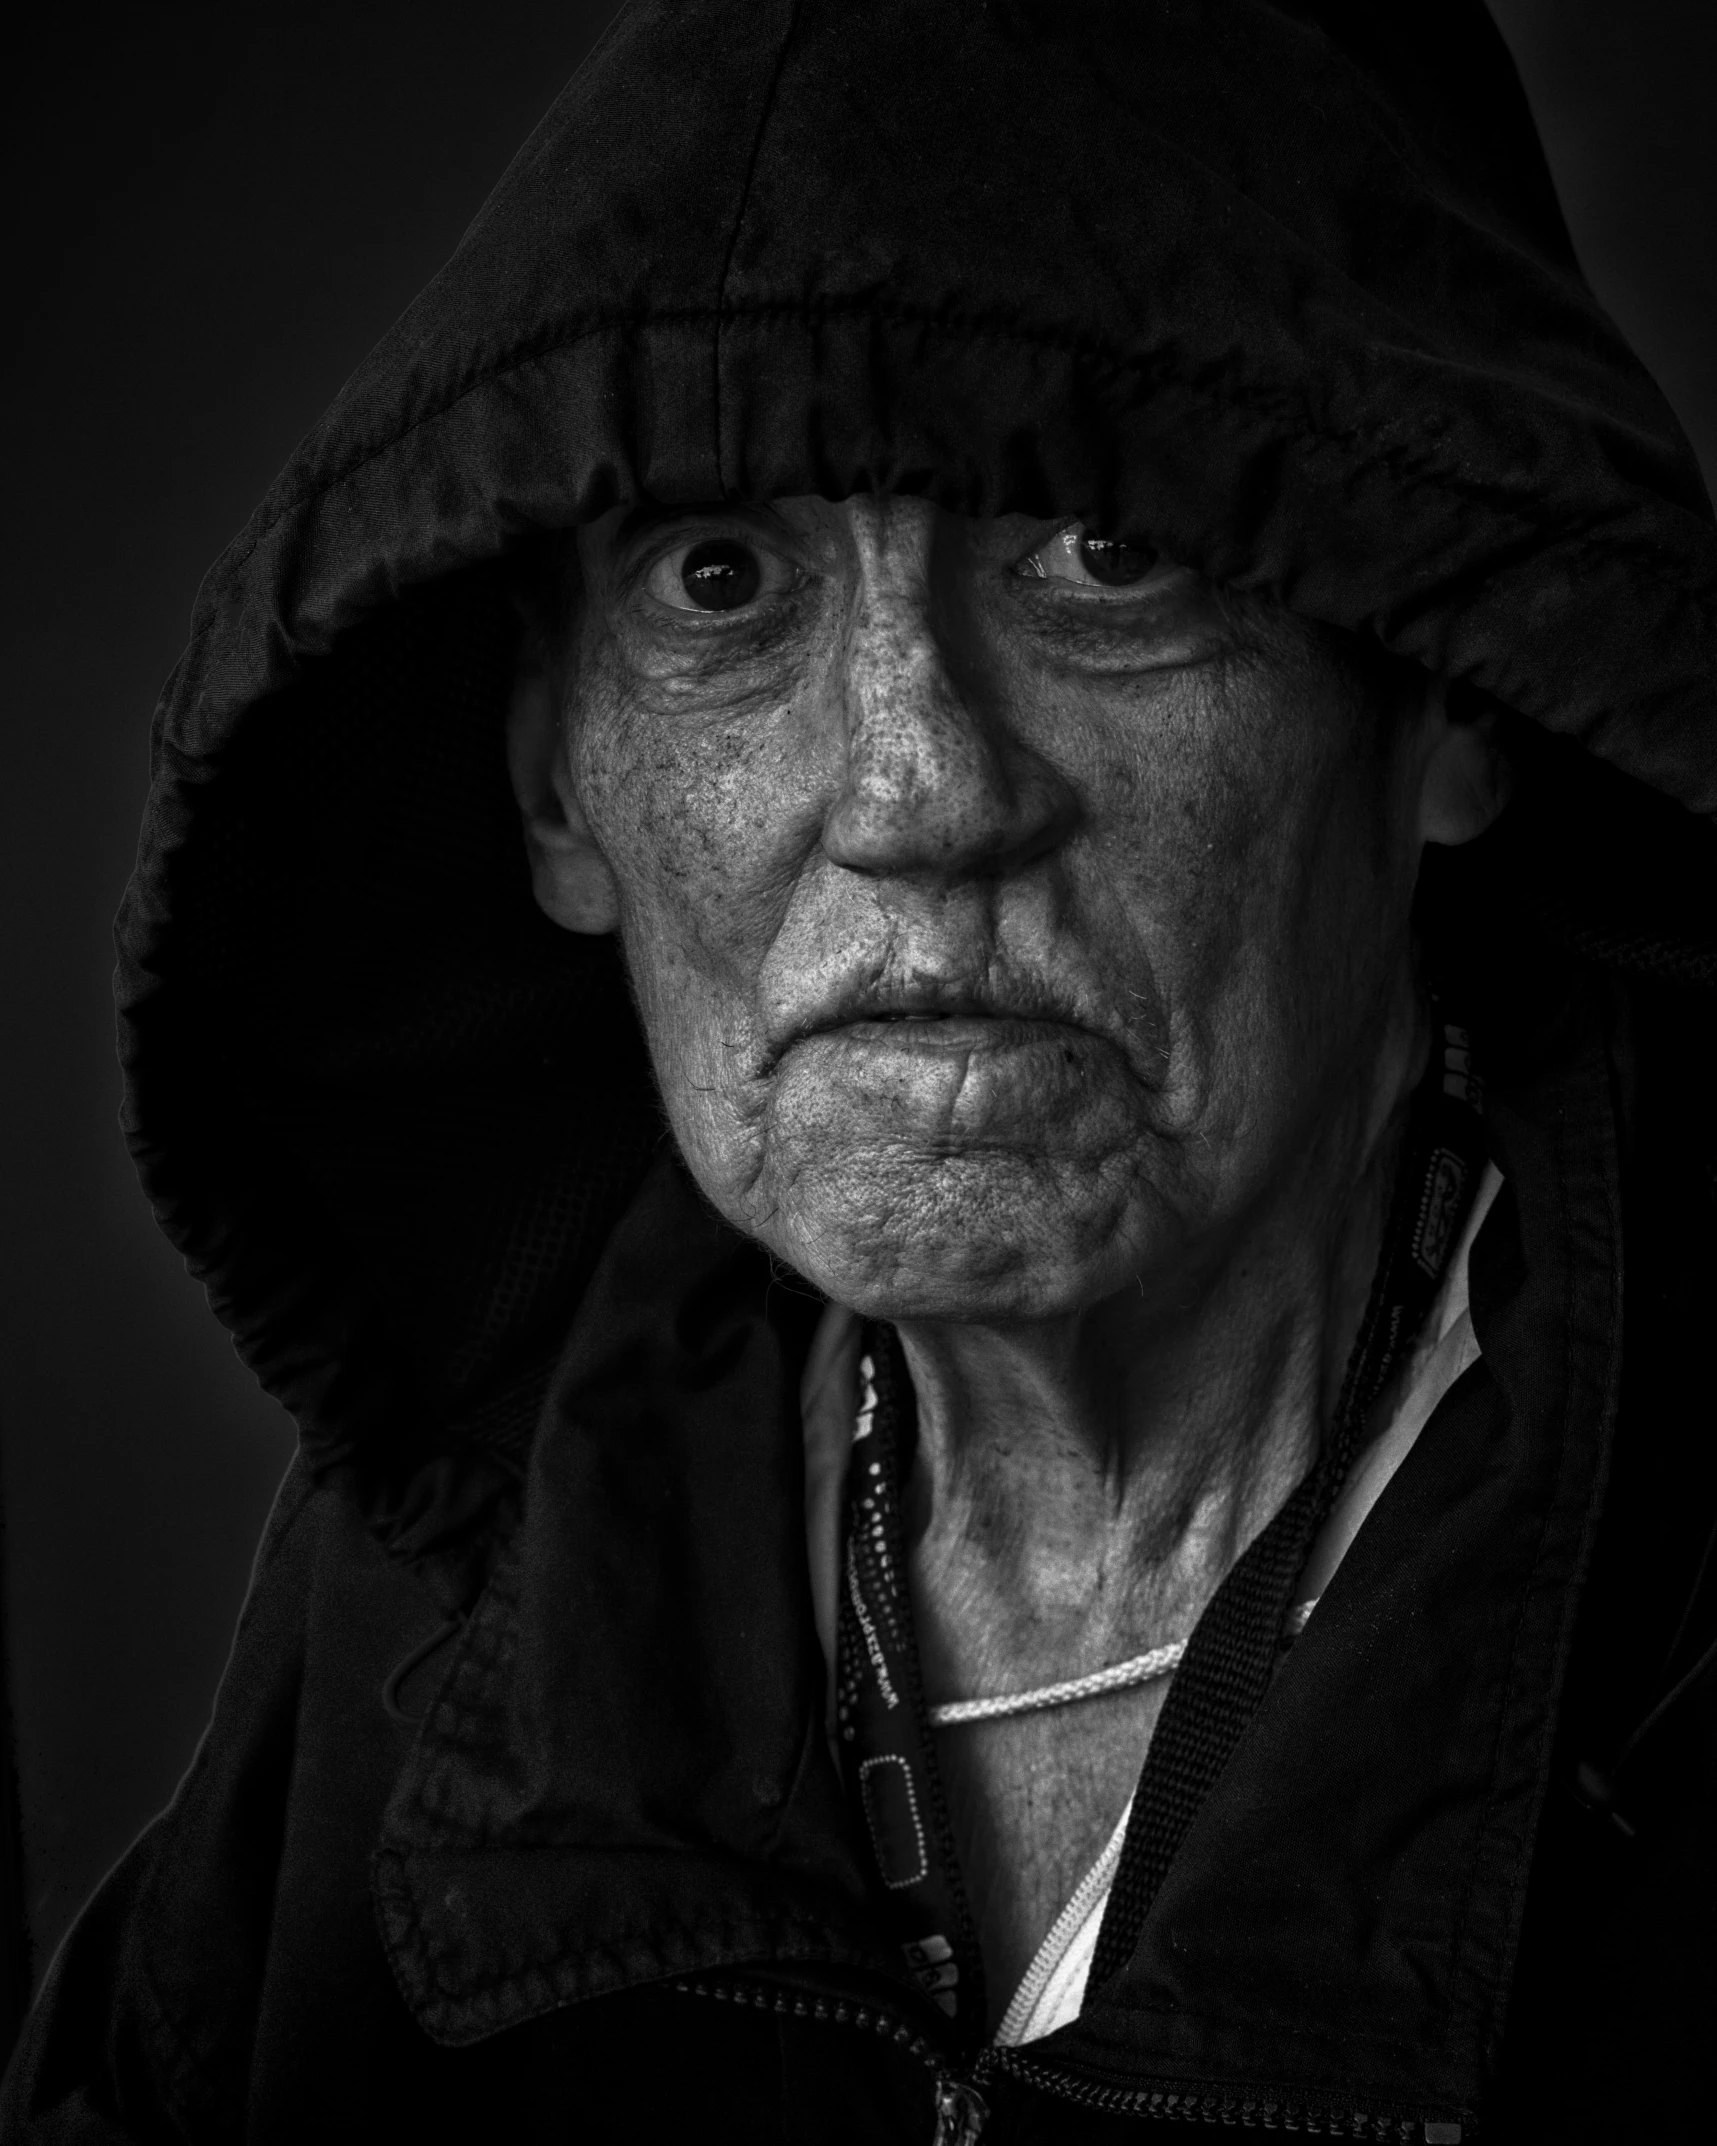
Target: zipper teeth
(1053, 1950)
(1255, 2111)
(831, 2011)
(1259, 2111)
(965, 1930)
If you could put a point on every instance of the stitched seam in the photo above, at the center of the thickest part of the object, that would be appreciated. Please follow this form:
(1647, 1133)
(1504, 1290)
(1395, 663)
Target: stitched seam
(558, 1963)
(765, 114)
(396, 1895)
(1237, 394)
(560, 1968)
(866, 1769)
(453, 1723)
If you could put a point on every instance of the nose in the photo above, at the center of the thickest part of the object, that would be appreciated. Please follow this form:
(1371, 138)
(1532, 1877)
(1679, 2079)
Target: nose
(934, 782)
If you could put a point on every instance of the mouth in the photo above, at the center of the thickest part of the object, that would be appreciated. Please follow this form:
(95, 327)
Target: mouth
(932, 1019)
(945, 1031)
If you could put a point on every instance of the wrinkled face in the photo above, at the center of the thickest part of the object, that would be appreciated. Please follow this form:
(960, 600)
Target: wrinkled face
(1007, 911)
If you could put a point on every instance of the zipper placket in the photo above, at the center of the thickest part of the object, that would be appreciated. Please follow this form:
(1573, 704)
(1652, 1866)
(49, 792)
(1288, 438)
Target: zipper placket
(1052, 1951)
(962, 2112)
(1249, 2108)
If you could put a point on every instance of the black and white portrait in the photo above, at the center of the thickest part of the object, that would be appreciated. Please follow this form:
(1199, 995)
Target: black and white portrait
(920, 991)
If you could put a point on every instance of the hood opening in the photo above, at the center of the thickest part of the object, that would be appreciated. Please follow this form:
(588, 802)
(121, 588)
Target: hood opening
(388, 1111)
(1280, 288)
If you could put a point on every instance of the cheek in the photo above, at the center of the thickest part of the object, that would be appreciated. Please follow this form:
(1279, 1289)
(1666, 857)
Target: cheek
(699, 817)
(704, 821)
(1182, 809)
(1314, 888)
(1245, 843)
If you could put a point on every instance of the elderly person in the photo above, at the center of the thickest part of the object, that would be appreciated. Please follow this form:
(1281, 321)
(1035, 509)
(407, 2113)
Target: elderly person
(924, 944)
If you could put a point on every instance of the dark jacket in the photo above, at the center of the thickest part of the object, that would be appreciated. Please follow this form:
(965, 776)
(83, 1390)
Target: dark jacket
(515, 1818)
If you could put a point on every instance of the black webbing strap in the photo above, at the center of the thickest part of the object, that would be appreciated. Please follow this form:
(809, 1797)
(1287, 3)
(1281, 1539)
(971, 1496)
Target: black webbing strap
(888, 1755)
(1234, 1648)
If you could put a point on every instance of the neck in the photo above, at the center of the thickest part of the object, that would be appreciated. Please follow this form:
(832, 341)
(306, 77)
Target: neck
(1082, 1484)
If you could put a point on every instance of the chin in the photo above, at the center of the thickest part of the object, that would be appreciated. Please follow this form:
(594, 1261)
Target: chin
(977, 1237)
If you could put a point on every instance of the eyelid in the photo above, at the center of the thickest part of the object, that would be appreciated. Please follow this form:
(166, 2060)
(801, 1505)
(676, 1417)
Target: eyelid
(648, 532)
(655, 569)
(1087, 589)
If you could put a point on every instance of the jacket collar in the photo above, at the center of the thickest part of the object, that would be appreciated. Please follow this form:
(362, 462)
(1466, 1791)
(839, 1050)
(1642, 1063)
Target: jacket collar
(1342, 1918)
(624, 1776)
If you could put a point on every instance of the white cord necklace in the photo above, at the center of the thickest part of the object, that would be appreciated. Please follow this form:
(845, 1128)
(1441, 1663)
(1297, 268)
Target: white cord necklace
(1121, 1676)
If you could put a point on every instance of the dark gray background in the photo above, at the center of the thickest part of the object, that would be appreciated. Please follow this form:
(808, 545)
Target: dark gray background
(215, 216)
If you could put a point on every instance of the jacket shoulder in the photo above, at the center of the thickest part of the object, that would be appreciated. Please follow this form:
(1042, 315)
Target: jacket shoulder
(149, 2021)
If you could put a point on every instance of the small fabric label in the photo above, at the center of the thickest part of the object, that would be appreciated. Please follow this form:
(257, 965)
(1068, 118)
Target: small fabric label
(896, 1829)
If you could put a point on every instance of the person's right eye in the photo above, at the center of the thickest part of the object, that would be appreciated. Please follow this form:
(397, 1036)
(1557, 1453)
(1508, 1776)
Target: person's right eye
(711, 575)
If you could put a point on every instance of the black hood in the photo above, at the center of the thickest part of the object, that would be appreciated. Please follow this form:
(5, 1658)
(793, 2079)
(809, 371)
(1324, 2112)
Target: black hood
(1282, 289)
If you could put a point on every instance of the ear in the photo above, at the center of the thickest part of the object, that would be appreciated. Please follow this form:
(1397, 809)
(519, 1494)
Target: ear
(569, 874)
(1466, 777)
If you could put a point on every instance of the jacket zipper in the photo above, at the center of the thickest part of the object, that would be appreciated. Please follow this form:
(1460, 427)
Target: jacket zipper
(962, 2112)
(1251, 2108)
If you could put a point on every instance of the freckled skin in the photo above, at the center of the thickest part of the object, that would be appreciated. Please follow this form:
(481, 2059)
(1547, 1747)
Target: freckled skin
(919, 769)
(1149, 854)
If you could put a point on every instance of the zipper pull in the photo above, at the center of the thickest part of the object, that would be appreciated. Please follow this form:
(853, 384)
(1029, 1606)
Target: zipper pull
(961, 2112)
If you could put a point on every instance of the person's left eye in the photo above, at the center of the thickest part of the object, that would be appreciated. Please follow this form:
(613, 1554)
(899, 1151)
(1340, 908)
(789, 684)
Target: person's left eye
(719, 574)
(1080, 558)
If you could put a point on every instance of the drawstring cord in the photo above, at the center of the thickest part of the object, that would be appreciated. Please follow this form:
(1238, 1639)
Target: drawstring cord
(415, 1660)
(1123, 1676)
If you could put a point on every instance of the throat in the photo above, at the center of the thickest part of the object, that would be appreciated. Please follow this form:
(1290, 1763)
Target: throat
(1032, 1802)
(1071, 1498)
(1044, 1547)
(1076, 1488)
